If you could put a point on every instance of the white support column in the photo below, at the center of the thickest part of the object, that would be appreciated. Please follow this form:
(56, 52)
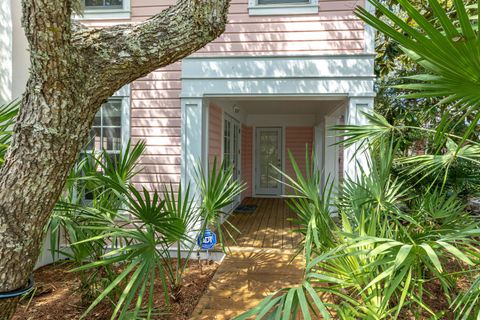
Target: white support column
(319, 147)
(331, 151)
(194, 138)
(369, 31)
(354, 115)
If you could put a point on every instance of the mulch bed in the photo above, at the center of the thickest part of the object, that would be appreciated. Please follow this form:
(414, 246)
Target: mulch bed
(57, 296)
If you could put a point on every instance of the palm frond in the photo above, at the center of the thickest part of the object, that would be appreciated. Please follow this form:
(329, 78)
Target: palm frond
(451, 55)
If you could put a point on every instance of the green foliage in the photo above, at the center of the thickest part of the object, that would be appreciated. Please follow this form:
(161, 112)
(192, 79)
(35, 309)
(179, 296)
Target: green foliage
(181, 206)
(402, 224)
(451, 163)
(217, 190)
(126, 242)
(449, 54)
(314, 219)
(86, 209)
(467, 304)
(392, 242)
(144, 232)
(394, 67)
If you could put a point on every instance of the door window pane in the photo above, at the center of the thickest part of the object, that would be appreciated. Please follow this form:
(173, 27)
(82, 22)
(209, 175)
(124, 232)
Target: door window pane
(269, 156)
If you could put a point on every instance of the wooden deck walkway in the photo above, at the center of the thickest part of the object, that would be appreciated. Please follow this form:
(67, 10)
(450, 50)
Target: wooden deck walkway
(258, 265)
(268, 227)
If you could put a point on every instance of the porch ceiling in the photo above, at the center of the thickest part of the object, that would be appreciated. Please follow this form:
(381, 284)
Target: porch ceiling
(285, 106)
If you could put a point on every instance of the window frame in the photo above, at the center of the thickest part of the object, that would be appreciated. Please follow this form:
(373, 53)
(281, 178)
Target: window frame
(106, 13)
(257, 9)
(123, 95)
(104, 7)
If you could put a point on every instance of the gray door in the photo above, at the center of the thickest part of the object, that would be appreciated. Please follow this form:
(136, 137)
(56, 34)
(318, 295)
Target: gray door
(268, 152)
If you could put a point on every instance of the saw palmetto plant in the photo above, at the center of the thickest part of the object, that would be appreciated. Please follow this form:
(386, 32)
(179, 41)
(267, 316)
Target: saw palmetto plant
(402, 224)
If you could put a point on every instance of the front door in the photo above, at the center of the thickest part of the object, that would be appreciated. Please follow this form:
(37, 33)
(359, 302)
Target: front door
(268, 154)
(231, 151)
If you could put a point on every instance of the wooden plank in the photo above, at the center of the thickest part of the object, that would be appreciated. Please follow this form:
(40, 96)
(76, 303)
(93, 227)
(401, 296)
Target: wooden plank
(277, 236)
(245, 278)
(255, 227)
(270, 225)
(260, 234)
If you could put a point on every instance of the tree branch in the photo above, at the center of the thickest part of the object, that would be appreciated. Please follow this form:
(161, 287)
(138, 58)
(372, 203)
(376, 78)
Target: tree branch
(120, 54)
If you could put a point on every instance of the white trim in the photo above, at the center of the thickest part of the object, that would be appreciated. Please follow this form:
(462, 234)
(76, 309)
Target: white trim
(288, 56)
(319, 148)
(255, 9)
(319, 77)
(282, 10)
(354, 116)
(125, 120)
(193, 140)
(280, 67)
(124, 95)
(369, 31)
(278, 76)
(279, 120)
(106, 14)
(331, 152)
(234, 122)
(14, 56)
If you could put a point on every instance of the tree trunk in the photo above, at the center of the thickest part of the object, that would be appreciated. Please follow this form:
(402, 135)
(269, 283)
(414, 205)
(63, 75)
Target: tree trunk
(74, 70)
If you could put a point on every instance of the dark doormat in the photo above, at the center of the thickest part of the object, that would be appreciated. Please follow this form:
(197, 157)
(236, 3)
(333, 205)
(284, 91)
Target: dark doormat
(245, 208)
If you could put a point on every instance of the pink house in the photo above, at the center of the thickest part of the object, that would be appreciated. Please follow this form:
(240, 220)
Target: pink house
(282, 73)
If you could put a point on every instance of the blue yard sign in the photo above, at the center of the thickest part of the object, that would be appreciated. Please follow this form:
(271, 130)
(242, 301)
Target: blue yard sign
(208, 240)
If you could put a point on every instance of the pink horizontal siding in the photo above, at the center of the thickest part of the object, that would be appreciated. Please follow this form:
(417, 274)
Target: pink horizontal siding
(247, 160)
(296, 141)
(215, 135)
(334, 29)
(156, 118)
(155, 102)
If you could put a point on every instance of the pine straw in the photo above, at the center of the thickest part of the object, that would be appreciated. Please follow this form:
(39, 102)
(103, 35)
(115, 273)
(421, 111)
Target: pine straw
(56, 295)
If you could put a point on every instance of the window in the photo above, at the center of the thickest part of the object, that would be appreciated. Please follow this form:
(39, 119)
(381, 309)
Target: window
(105, 9)
(110, 132)
(106, 132)
(282, 7)
(282, 1)
(111, 127)
(103, 4)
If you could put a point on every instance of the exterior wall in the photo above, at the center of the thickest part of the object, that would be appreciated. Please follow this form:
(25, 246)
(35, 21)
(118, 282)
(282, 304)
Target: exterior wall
(247, 160)
(215, 134)
(334, 29)
(155, 99)
(14, 56)
(156, 103)
(296, 141)
(156, 118)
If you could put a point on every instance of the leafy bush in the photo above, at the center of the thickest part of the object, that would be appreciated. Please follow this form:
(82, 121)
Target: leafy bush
(122, 239)
(402, 223)
(391, 245)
